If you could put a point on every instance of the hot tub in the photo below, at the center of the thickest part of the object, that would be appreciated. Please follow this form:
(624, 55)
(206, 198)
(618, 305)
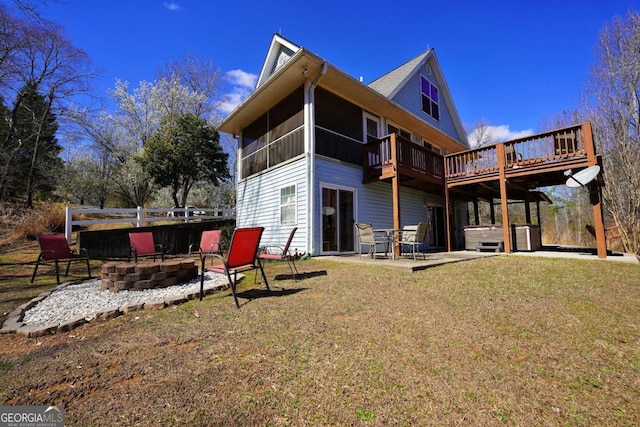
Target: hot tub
(524, 237)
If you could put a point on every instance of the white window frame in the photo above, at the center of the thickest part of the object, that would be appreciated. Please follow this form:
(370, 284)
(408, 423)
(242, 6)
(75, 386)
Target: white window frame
(365, 116)
(293, 203)
(354, 191)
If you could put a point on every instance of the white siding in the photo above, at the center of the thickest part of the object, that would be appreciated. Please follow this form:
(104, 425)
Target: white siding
(373, 202)
(259, 201)
(258, 204)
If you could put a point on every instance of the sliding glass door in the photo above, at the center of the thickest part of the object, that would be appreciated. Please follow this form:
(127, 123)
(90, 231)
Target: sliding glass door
(436, 226)
(337, 220)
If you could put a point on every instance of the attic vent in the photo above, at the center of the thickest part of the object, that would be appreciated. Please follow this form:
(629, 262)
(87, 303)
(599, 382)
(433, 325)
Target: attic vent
(282, 58)
(427, 69)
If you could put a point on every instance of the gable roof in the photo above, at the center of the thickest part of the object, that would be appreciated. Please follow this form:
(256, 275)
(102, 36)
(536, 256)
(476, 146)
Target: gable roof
(391, 83)
(280, 51)
(278, 81)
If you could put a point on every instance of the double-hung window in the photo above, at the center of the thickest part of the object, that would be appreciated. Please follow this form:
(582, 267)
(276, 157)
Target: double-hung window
(288, 205)
(430, 98)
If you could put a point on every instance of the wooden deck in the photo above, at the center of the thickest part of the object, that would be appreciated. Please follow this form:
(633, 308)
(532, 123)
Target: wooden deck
(536, 161)
(512, 170)
(515, 170)
(415, 166)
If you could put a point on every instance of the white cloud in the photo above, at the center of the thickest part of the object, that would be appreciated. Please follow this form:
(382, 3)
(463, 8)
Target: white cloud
(242, 78)
(171, 6)
(241, 84)
(232, 100)
(496, 134)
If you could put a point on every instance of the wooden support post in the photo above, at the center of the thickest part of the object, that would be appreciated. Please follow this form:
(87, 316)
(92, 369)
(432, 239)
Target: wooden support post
(527, 211)
(504, 198)
(447, 222)
(598, 218)
(395, 186)
(595, 191)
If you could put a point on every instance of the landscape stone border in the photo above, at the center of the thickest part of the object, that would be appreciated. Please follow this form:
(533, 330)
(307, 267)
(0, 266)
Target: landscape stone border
(14, 324)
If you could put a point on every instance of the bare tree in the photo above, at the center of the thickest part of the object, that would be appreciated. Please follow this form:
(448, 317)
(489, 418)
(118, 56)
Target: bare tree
(45, 60)
(570, 205)
(614, 109)
(101, 130)
(481, 134)
(30, 8)
(13, 41)
(133, 186)
(200, 76)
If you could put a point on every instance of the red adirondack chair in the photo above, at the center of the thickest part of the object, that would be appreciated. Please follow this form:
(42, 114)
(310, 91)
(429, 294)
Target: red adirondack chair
(55, 248)
(242, 256)
(142, 244)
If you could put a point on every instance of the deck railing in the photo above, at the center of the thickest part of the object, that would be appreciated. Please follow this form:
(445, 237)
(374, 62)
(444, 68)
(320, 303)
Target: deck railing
(267, 155)
(535, 150)
(409, 156)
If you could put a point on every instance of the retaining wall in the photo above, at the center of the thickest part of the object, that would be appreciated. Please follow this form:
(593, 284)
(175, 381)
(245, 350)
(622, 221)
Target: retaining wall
(176, 238)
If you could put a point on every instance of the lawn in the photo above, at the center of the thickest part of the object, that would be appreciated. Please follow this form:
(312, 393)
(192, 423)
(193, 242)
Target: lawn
(504, 340)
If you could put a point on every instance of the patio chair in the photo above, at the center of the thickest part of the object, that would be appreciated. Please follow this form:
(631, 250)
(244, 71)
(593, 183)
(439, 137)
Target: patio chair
(242, 256)
(415, 238)
(368, 237)
(281, 253)
(54, 247)
(142, 244)
(209, 244)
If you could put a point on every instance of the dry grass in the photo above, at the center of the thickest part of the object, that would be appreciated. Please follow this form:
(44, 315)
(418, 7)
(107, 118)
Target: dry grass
(499, 341)
(18, 223)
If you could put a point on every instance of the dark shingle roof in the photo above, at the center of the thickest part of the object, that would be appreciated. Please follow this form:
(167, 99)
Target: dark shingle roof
(389, 82)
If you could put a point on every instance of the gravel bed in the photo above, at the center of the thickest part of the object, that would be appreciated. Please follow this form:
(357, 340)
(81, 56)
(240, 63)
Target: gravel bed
(86, 299)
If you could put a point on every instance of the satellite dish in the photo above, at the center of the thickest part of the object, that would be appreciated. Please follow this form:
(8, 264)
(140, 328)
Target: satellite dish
(582, 178)
(328, 210)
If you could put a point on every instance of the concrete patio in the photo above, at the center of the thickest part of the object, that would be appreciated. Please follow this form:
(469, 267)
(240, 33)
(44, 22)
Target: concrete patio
(433, 259)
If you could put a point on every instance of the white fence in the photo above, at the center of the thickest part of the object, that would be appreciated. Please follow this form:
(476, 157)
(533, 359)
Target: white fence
(140, 216)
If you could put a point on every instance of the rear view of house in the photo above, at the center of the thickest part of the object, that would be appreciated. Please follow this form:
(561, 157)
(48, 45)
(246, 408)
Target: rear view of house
(320, 150)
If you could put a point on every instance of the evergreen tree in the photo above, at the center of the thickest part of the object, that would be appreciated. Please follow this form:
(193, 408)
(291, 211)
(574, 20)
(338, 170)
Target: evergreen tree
(37, 165)
(183, 151)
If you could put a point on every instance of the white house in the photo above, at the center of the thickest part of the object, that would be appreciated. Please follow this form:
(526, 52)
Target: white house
(320, 150)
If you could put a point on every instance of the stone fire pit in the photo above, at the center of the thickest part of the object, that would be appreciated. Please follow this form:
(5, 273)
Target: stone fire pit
(120, 276)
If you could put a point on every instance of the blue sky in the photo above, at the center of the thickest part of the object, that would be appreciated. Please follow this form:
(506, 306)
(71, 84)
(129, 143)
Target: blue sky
(514, 64)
